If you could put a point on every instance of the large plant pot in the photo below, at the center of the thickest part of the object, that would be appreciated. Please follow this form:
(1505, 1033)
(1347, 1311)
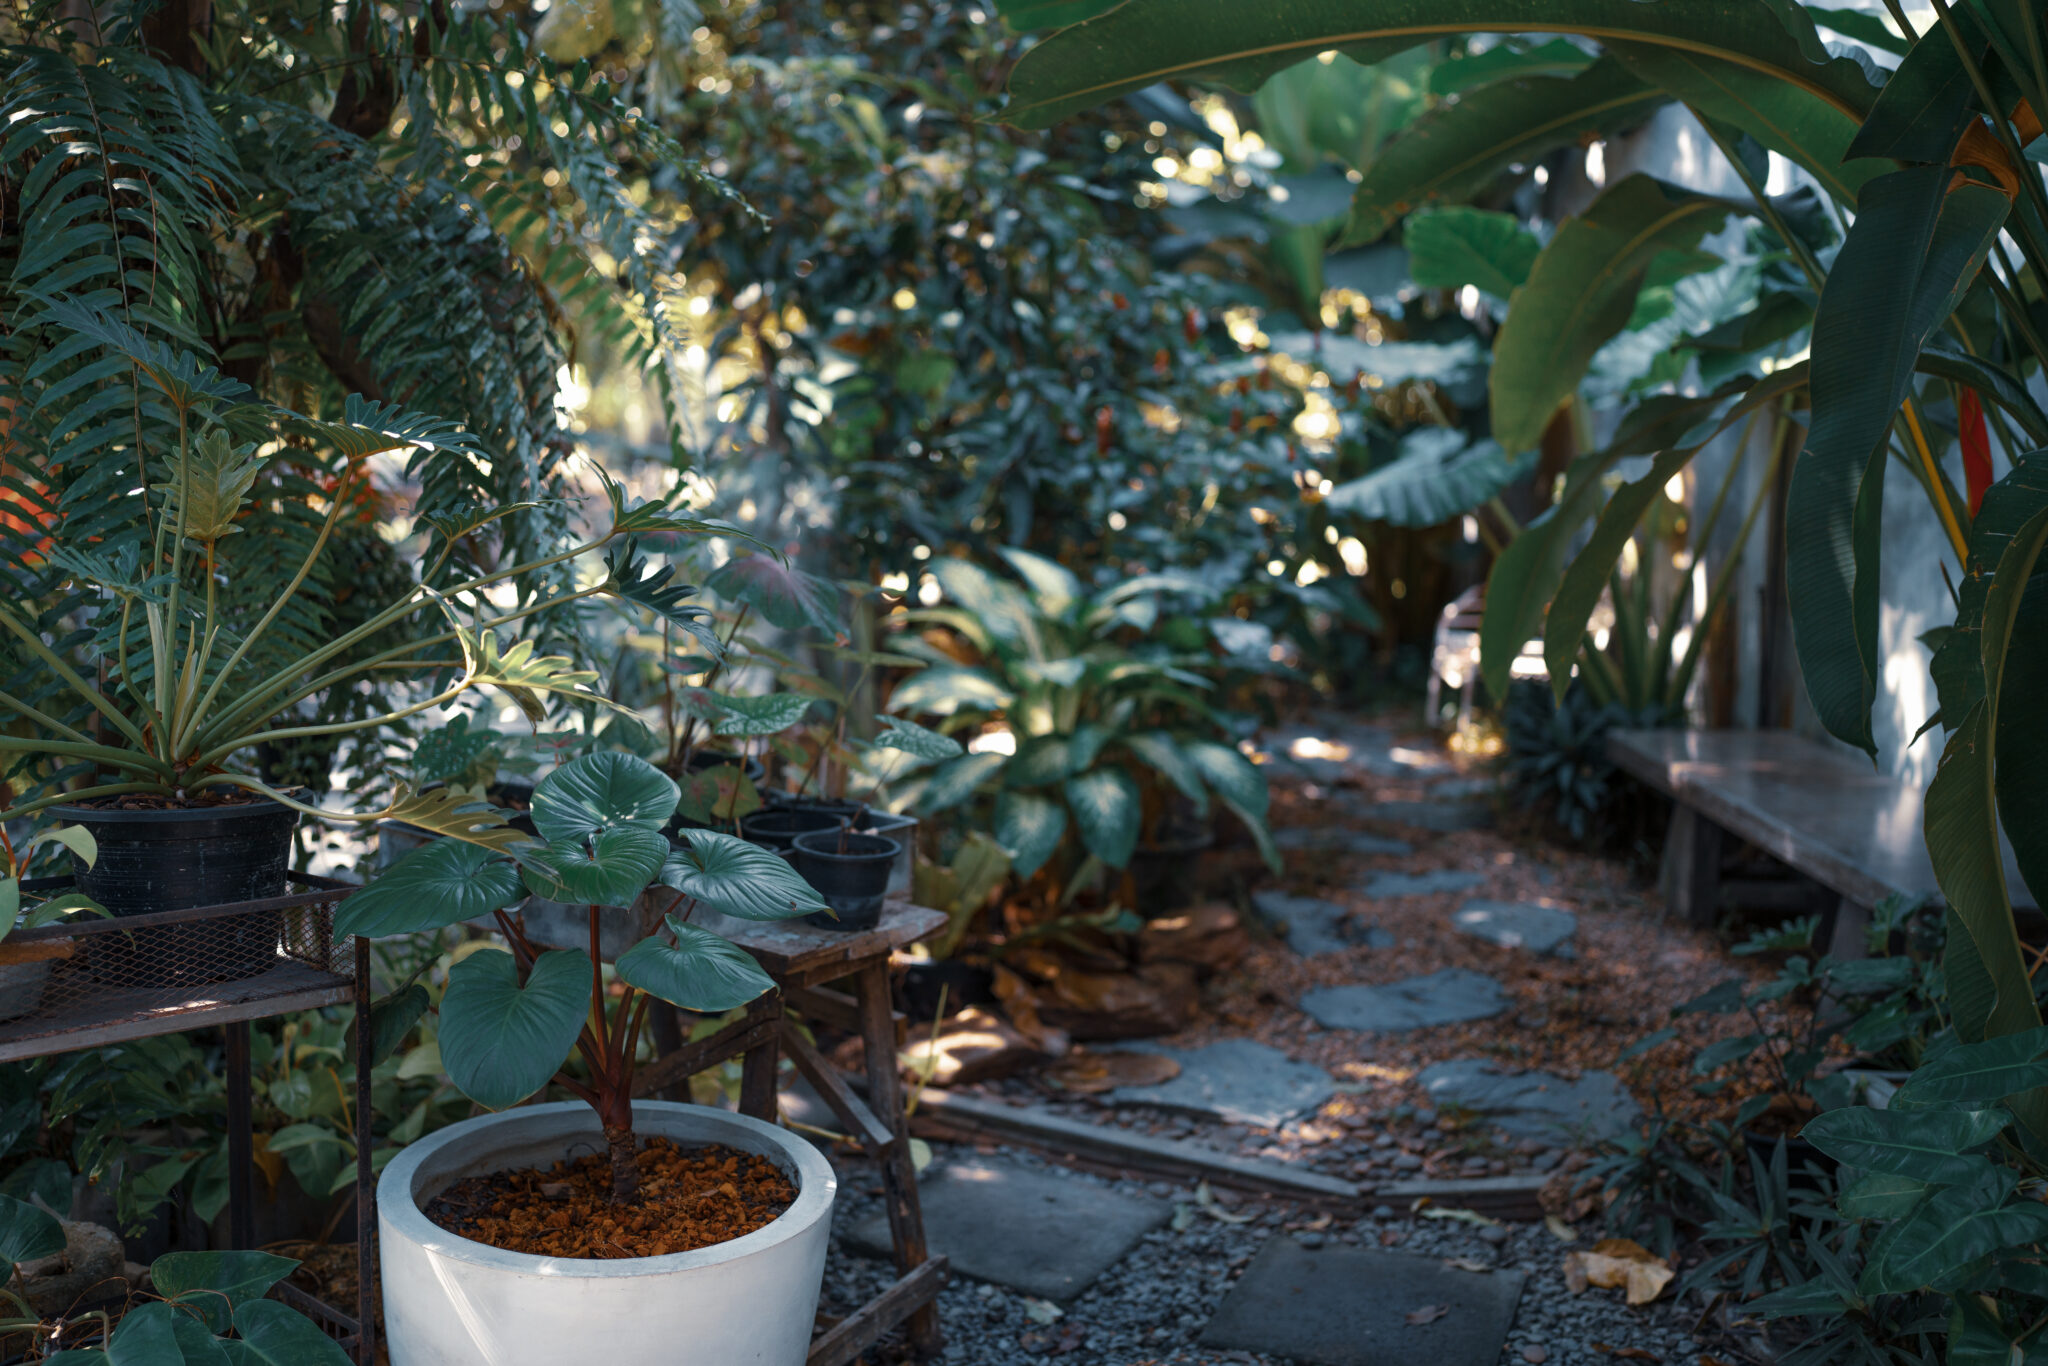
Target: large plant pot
(1163, 872)
(452, 1302)
(170, 859)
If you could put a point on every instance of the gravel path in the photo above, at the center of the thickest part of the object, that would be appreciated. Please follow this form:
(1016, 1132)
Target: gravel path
(1150, 1309)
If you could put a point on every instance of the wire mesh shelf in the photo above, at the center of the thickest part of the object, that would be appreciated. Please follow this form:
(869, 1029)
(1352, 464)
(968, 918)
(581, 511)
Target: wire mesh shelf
(96, 981)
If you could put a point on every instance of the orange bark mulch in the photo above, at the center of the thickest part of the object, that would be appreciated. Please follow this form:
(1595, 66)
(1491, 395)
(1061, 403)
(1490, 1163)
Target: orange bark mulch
(689, 1198)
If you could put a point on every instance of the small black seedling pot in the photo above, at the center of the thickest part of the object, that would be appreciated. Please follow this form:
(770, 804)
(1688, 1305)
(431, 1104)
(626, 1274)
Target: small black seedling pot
(777, 827)
(851, 872)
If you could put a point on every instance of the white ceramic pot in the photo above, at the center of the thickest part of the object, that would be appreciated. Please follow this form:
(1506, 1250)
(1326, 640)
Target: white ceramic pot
(452, 1302)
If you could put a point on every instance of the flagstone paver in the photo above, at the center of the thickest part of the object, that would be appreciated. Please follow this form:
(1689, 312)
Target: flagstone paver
(1445, 997)
(1422, 884)
(1346, 1306)
(1535, 1104)
(1040, 1232)
(1235, 1081)
(1318, 838)
(1444, 818)
(1312, 925)
(1517, 924)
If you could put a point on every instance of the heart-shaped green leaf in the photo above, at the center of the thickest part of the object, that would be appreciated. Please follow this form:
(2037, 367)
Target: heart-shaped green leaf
(147, 1336)
(785, 595)
(437, 884)
(1927, 1145)
(26, 1232)
(501, 1041)
(277, 1335)
(914, 739)
(213, 1283)
(610, 870)
(955, 781)
(738, 879)
(599, 792)
(702, 971)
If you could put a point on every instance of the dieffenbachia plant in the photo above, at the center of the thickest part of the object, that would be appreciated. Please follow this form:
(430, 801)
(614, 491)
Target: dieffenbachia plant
(509, 1021)
(1096, 719)
(165, 692)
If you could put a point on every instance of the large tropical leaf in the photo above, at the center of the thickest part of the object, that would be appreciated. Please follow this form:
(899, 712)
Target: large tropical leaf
(209, 486)
(213, 1283)
(1003, 609)
(1749, 45)
(1990, 989)
(784, 594)
(1927, 1145)
(1106, 809)
(437, 884)
(1161, 751)
(955, 781)
(608, 869)
(1978, 1073)
(500, 1041)
(916, 740)
(1437, 476)
(701, 971)
(445, 811)
(1318, 110)
(27, 1233)
(1239, 785)
(1054, 583)
(1579, 591)
(946, 689)
(1459, 245)
(1952, 1231)
(1455, 151)
(1581, 292)
(274, 1334)
(1914, 247)
(1029, 827)
(739, 879)
(598, 792)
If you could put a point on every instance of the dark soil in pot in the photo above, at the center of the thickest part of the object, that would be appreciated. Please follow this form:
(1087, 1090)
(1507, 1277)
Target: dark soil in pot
(1163, 873)
(157, 856)
(851, 872)
(689, 1198)
(839, 808)
(777, 827)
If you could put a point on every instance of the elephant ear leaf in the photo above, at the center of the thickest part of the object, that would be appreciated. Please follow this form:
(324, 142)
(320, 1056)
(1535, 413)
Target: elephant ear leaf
(433, 886)
(27, 1233)
(1914, 247)
(701, 971)
(783, 594)
(274, 1334)
(739, 879)
(501, 1040)
(213, 1283)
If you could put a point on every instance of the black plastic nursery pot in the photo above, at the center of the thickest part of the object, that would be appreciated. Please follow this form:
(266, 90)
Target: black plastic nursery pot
(839, 808)
(850, 871)
(1163, 871)
(777, 827)
(154, 859)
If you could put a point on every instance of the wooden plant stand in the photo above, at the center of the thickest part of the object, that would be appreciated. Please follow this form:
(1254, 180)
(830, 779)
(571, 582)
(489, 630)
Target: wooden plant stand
(805, 963)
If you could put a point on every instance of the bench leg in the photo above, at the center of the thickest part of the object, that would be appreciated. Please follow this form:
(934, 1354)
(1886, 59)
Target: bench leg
(1691, 876)
(1845, 931)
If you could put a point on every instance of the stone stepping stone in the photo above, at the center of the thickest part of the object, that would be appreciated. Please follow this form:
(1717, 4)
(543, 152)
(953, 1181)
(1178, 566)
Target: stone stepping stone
(1443, 818)
(1447, 997)
(1235, 1081)
(1422, 884)
(1319, 838)
(1312, 925)
(1517, 925)
(1346, 1306)
(1043, 1233)
(1457, 789)
(1535, 1104)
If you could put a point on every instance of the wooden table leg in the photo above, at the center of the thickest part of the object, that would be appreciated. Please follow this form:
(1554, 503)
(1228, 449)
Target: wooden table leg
(757, 1074)
(899, 1169)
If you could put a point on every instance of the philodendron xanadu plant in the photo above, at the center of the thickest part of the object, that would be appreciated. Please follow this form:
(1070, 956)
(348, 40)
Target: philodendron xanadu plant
(508, 1020)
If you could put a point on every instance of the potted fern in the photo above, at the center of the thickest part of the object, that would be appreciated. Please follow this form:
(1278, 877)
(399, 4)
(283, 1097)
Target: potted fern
(598, 1227)
(149, 734)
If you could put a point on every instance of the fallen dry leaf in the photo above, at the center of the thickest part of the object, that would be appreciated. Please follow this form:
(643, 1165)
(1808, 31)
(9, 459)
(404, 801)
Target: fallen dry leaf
(1560, 1230)
(1625, 1353)
(1089, 1074)
(1618, 1263)
(1429, 1313)
(1466, 1264)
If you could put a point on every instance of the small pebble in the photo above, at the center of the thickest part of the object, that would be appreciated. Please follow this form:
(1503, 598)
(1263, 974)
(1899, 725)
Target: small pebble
(1493, 1233)
(1407, 1162)
(1383, 1212)
(1536, 1356)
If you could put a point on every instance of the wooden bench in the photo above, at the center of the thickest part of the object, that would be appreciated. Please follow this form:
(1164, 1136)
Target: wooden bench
(1824, 813)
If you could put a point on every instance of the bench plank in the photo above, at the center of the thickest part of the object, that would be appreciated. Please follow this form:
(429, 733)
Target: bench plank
(1824, 813)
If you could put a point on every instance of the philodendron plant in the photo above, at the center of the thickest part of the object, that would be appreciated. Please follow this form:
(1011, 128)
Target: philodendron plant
(509, 1020)
(193, 657)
